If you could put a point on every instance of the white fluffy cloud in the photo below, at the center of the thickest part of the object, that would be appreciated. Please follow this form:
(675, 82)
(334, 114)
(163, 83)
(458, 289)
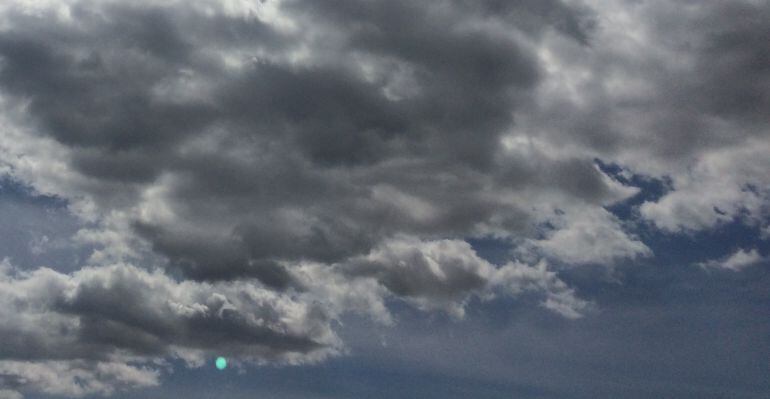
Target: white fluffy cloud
(590, 236)
(721, 186)
(737, 261)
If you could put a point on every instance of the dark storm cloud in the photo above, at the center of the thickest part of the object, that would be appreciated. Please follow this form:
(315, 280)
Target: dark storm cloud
(95, 89)
(334, 116)
(90, 101)
(528, 15)
(734, 48)
(318, 140)
(533, 15)
(465, 80)
(201, 259)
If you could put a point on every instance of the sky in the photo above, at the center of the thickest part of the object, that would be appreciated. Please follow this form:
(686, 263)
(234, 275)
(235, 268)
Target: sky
(385, 199)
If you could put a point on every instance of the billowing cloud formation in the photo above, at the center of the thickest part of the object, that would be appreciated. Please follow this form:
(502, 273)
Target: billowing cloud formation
(250, 171)
(94, 323)
(444, 275)
(231, 150)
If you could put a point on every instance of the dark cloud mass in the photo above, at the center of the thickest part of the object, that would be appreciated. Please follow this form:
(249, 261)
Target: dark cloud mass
(246, 173)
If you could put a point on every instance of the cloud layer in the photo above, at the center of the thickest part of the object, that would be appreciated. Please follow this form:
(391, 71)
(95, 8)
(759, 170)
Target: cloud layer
(248, 172)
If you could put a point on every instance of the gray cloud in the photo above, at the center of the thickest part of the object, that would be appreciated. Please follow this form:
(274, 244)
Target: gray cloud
(96, 313)
(445, 274)
(110, 327)
(263, 159)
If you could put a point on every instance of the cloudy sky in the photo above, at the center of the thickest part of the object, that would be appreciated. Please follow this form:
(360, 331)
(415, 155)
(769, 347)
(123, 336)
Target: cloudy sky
(385, 199)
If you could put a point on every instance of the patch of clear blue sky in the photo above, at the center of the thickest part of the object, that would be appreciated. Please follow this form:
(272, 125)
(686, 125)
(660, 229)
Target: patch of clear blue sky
(36, 230)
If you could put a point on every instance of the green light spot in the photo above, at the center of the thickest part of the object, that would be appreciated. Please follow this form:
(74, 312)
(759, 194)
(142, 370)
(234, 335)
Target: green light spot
(221, 363)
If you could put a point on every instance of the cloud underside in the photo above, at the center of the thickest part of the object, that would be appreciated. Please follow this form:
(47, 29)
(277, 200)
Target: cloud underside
(250, 172)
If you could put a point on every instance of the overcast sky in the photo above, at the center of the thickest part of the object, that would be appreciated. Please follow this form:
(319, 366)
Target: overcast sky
(385, 199)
